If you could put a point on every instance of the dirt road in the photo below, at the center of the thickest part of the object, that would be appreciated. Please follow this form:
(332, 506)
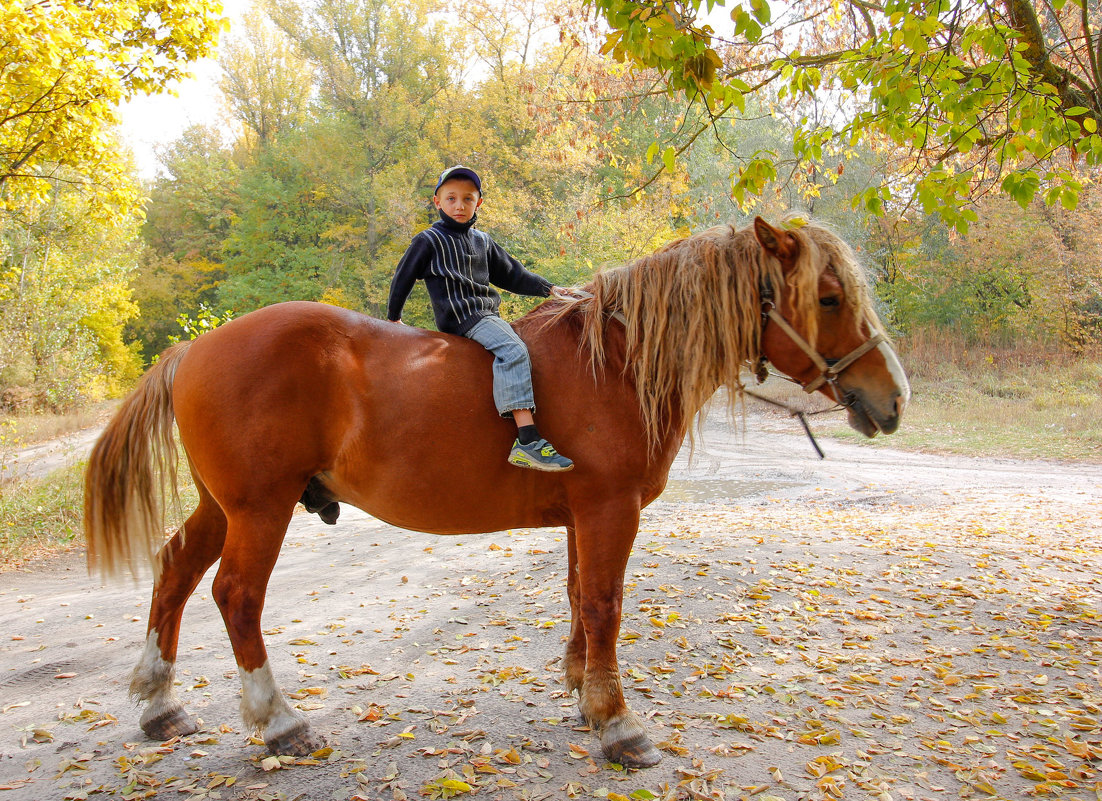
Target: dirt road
(878, 625)
(35, 461)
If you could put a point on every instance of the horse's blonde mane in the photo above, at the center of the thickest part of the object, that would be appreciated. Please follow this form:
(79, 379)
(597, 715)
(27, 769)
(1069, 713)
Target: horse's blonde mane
(693, 311)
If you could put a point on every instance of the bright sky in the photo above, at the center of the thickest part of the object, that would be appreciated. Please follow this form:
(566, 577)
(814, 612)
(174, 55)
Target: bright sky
(149, 123)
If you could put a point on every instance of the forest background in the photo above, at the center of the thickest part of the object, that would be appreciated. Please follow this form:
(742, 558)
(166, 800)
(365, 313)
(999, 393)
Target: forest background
(340, 115)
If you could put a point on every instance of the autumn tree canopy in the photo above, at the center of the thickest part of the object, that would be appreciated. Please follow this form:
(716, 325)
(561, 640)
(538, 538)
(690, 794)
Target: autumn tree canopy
(963, 95)
(69, 199)
(66, 65)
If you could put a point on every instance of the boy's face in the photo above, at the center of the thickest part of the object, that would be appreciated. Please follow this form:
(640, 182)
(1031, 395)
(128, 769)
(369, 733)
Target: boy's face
(458, 198)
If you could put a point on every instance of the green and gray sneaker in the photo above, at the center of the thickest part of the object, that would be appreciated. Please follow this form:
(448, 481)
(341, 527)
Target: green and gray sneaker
(539, 455)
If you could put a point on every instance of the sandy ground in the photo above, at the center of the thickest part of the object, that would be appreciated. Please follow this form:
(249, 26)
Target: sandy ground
(878, 625)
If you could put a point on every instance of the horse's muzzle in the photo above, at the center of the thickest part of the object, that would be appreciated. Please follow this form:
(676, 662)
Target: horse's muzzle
(870, 418)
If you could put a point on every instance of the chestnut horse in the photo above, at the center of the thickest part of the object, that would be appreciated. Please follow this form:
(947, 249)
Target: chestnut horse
(305, 400)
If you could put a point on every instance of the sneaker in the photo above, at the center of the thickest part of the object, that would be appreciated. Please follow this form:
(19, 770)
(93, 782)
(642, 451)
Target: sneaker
(539, 455)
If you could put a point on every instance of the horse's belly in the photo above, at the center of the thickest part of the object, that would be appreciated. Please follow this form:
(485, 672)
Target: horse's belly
(469, 496)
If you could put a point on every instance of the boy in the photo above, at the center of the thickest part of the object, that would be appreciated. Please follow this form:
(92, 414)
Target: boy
(458, 264)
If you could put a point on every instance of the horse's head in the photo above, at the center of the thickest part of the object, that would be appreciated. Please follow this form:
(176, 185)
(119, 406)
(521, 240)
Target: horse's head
(820, 329)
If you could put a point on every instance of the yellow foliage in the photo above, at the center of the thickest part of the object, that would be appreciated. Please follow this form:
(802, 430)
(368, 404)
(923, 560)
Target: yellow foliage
(335, 296)
(67, 65)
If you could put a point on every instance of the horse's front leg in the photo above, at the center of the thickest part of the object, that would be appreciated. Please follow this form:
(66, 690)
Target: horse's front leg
(252, 545)
(573, 663)
(603, 542)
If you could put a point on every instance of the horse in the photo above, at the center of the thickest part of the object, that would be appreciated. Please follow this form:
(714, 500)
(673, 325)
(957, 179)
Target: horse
(306, 401)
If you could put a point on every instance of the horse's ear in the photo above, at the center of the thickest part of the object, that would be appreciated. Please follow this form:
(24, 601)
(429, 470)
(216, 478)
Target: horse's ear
(781, 244)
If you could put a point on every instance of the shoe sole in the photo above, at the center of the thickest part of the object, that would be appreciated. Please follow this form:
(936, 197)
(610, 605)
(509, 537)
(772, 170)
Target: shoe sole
(523, 462)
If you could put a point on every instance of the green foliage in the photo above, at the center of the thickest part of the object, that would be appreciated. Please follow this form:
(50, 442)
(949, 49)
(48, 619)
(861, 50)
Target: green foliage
(587, 163)
(68, 195)
(269, 100)
(277, 248)
(1019, 275)
(205, 320)
(964, 96)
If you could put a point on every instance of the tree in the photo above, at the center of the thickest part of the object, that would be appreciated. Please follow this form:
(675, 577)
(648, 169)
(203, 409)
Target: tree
(969, 96)
(266, 84)
(188, 217)
(66, 65)
(64, 300)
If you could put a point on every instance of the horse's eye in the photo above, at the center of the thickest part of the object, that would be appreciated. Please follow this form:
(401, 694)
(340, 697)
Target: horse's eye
(829, 303)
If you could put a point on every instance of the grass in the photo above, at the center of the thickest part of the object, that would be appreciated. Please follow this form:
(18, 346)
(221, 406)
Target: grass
(39, 517)
(20, 430)
(42, 516)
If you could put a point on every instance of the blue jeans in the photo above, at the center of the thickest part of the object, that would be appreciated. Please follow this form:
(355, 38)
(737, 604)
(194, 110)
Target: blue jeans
(512, 366)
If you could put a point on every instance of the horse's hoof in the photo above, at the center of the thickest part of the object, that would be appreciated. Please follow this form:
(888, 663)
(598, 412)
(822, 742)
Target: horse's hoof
(638, 753)
(624, 742)
(297, 741)
(173, 723)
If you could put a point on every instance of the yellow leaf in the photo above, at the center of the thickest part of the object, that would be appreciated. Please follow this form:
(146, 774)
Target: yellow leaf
(455, 784)
(821, 766)
(577, 752)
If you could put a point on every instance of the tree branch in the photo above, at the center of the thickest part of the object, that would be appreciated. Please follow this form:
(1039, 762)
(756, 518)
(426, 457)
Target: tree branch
(1023, 18)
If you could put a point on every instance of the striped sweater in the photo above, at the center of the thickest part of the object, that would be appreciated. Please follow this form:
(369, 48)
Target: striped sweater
(458, 264)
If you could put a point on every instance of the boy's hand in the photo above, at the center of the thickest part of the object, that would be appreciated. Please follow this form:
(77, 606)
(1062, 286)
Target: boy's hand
(397, 322)
(565, 294)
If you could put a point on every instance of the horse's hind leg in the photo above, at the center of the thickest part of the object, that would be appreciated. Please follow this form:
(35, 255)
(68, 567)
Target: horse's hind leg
(573, 662)
(184, 560)
(604, 538)
(252, 546)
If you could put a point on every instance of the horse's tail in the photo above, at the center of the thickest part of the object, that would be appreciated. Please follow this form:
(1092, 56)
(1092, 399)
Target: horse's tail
(131, 470)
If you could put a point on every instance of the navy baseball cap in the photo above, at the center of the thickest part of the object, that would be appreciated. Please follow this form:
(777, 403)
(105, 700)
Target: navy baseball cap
(459, 171)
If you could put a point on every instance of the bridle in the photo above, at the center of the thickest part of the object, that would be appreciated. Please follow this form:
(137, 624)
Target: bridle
(829, 369)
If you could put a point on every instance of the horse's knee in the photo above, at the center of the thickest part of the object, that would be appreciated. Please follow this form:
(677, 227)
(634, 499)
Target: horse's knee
(235, 597)
(224, 591)
(241, 608)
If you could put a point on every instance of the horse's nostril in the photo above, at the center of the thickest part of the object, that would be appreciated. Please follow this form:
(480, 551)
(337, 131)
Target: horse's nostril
(900, 402)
